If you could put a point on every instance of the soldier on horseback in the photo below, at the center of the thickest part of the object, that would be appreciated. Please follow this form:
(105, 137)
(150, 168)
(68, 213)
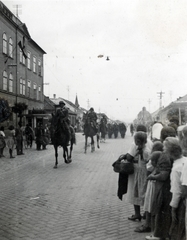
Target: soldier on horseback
(62, 115)
(92, 116)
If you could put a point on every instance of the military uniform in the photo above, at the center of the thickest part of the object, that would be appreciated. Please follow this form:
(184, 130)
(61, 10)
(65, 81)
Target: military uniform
(93, 118)
(62, 116)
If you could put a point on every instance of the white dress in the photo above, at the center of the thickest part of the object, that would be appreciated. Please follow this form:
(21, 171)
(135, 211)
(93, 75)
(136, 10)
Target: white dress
(137, 182)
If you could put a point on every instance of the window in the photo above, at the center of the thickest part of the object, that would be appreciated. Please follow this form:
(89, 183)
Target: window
(35, 92)
(10, 48)
(10, 85)
(39, 68)
(39, 92)
(29, 88)
(28, 60)
(22, 87)
(5, 44)
(5, 81)
(21, 57)
(34, 64)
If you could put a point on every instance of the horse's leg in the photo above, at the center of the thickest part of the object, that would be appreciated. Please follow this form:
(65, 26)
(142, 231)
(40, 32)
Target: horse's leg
(97, 137)
(56, 156)
(65, 154)
(92, 144)
(68, 154)
(85, 147)
(71, 149)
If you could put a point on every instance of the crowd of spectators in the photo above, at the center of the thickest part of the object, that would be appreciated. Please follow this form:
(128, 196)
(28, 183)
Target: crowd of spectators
(22, 137)
(158, 186)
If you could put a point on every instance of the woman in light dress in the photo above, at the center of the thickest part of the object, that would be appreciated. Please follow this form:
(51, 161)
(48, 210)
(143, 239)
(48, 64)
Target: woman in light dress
(11, 140)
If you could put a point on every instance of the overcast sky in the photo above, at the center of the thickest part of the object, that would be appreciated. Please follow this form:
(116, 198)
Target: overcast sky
(146, 42)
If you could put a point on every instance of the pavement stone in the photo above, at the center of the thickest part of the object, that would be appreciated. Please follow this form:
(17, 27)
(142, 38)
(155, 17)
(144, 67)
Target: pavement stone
(76, 201)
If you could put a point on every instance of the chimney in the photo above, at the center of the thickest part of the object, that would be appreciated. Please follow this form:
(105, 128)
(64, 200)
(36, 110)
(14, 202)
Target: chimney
(54, 96)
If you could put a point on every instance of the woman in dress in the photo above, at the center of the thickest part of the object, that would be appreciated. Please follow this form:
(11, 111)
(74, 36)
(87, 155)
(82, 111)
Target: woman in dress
(139, 154)
(11, 140)
(2, 141)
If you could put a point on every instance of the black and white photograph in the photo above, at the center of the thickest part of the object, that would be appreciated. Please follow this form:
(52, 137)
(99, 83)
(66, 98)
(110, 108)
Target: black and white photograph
(93, 120)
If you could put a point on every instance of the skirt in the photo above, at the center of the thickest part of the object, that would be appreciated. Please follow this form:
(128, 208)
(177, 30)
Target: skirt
(10, 143)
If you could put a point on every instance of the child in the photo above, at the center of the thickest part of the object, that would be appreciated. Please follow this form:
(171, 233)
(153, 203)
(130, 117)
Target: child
(156, 153)
(150, 193)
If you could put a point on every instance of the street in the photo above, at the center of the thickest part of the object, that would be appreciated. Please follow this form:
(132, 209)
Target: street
(76, 201)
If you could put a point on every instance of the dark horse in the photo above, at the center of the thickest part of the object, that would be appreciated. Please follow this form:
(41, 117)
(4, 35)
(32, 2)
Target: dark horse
(90, 131)
(59, 139)
(103, 130)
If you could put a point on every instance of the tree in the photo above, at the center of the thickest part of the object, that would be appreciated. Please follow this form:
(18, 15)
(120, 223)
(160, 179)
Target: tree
(19, 108)
(4, 110)
(173, 115)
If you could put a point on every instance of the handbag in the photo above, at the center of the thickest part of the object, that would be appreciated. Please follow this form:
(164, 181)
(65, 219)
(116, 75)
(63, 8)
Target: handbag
(123, 166)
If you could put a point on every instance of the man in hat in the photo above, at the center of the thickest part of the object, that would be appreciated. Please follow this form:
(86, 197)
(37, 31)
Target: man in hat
(62, 115)
(93, 117)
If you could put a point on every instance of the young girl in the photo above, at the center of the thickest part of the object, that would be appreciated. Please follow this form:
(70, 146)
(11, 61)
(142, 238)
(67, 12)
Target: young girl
(156, 152)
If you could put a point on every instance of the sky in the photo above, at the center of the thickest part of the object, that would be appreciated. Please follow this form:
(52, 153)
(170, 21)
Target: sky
(146, 42)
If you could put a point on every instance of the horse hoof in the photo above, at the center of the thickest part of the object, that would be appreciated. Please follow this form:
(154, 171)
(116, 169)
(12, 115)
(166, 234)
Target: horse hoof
(55, 167)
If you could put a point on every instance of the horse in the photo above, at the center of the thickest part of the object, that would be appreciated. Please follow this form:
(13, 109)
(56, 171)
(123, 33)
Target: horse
(59, 139)
(116, 130)
(90, 131)
(122, 129)
(103, 130)
(132, 129)
(110, 130)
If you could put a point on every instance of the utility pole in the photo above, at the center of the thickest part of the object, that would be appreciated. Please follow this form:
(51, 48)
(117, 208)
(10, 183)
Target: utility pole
(149, 102)
(18, 9)
(88, 102)
(68, 92)
(160, 96)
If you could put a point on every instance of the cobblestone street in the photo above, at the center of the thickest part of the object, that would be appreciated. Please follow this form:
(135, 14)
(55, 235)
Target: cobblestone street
(77, 201)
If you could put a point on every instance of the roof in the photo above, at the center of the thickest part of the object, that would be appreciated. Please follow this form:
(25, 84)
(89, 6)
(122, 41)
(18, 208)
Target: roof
(181, 99)
(48, 104)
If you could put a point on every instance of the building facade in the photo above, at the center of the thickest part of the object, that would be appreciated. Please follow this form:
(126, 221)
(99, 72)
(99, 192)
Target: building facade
(21, 66)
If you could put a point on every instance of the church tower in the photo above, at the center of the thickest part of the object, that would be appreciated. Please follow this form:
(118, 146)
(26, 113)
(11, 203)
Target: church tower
(76, 101)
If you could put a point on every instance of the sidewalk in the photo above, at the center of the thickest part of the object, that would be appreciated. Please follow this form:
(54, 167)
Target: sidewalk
(77, 201)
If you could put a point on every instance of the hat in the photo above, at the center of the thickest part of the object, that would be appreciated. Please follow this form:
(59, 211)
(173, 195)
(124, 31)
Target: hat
(141, 128)
(91, 109)
(61, 102)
